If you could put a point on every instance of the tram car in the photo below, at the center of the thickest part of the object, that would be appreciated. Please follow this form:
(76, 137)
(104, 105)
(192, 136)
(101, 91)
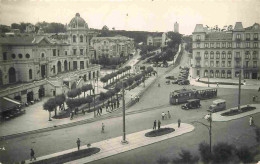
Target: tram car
(181, 96)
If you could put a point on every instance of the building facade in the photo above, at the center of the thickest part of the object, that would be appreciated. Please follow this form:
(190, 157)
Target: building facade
(35, 65)
(117, 46)
(221, 54)
(155, 39)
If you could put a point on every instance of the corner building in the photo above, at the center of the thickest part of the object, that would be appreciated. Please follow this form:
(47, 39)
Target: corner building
(221, 54)
(35, 65)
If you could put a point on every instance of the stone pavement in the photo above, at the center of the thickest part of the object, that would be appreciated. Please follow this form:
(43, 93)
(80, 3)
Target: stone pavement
(114, 146)
(217, 116)
(36, 118)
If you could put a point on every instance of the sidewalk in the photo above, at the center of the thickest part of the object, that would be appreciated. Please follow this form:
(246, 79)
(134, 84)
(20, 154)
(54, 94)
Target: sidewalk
(114, 146)
(217, 116)
(36, 118)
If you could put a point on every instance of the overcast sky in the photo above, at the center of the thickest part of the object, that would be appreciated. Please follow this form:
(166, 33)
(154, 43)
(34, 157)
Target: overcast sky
(147, 15)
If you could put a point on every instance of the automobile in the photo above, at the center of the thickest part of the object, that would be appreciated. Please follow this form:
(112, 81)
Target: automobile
(218, 105)
(184, 82)
(191, 104)
(176, 81)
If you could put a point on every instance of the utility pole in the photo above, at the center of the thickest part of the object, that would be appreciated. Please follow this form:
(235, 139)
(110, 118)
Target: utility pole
(124, 138)
(239, 89)
(94, 102)
(208, 77)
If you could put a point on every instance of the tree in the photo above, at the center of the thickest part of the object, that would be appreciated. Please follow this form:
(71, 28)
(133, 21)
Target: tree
(185, 158)
(84, 89)
(71, 103)
(60, 99)
(50, 105)
(72, 93)
(245, 155)
(163, 160)
(205, 154)
(102, 97)
(89, 100)
(174, 39)
(223, 153)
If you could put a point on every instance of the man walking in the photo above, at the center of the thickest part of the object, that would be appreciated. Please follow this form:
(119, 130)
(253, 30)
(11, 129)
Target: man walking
(78, 143)
(179, 123)
(251, 121)
(154, 125)
(159, 124)
(103, 128)
(32, 155)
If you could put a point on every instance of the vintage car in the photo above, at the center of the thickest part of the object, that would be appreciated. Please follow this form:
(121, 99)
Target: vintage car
(191, 104)
(218, 105)
(184, 82)
(177, 81)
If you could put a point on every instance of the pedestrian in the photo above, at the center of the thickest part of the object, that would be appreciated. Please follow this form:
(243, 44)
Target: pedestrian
(32, 155)
(163, 115)
(114, 105)
(98, 112)
(251, 121)
(101, 108)
(253, 98)
(78, 143)
(217, 84)
(138, 98)
(169, 115)
(103, 128)
(259, 89)
(159, 124)
(154, 125)
(107, 107)
(179, 123)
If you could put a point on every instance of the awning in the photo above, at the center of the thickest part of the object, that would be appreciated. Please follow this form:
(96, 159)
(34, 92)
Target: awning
(8, 104)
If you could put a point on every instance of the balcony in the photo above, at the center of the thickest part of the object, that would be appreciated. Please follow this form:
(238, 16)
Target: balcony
(247, 39)
(198, 58)
(255, 39)
(237, 58)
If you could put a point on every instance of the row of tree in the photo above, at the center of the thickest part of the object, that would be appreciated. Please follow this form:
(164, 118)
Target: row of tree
(52, 104)
(111, 77)
(77, 91)
(114, 61)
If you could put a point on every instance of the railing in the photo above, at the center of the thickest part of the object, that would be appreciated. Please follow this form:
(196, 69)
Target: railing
(247, 39)
(255, 39)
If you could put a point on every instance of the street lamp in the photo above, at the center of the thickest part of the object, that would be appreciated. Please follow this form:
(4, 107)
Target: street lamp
(124, 141)
(208, 77)
(209, 127)
(239, 89)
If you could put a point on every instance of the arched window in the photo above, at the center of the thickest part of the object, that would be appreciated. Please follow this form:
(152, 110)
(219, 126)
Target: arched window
(59, 66)
(228, 74)
(12, 75)
(94, 75)
(30, 74)
(65, 65)
(13, 56)
(223, 55)
(74, 39)
(211, 73)
(217, 55)
(211, 55)
(223, 74)
(206, 55)
(247, 54)
(217, 74)
(43, 55)
(27, 56)
(206, 73)
(20, 55)
(81, 38)
(229, 54)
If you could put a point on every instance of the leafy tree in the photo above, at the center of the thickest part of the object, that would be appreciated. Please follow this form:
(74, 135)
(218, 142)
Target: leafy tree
(4, 29)
(102, 97)
(205, 154)
(59, 99)
(50, 105)
(84, 89)
(72, 93)
(185, 158)
(163, 160)
(245, 155)
(71, 103)
(89, 100)
(174, 39)
(223, 153)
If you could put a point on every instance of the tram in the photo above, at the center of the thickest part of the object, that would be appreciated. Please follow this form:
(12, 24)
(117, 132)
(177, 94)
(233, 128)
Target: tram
(181, 96)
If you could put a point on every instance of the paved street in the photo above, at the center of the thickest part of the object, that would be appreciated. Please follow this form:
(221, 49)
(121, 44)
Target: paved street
(153, 103)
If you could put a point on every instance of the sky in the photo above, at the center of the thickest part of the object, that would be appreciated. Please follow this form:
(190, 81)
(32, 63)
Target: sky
(139, 15)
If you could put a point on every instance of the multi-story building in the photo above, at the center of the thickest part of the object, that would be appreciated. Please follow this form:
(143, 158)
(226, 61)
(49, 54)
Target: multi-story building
(223, 54)
(155, 39)
(116, 46)
(34, 65)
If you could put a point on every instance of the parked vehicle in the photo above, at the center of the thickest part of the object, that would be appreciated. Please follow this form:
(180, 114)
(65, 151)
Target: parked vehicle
(191, 104)
(184, 82)
(218, 105)
(176, 81)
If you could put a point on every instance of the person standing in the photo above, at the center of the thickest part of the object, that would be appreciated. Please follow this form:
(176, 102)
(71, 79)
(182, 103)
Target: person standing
(159, 124)
(114, 105)
(32, 155)
(179, 123)
(103, 128)
(169, 115)
(163, 114)
(78, 143)
(154, 125)
(107, 107)
(101, 108)
(251, 121)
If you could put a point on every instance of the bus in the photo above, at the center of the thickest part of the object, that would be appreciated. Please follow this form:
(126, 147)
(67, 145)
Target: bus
(181, 96)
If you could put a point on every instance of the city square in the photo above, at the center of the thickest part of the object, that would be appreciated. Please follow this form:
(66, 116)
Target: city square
(73, 93)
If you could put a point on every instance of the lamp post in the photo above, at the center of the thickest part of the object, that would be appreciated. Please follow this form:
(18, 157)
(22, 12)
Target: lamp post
(208, 77)
(239, 89)
(209, 127)
(124, 141)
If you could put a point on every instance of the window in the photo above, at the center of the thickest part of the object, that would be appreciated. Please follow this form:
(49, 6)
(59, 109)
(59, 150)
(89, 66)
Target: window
(247, 54)
(237, 54)
(247, 64)
(54, 69)
(27, 56)
(254, 64)
(223, 55)
(229, 55)
(81, 64)
(74, 51)
(58, 52)
(198, 37)
(198, 72)
(54, 52)
(238, 45)
(66, 53)
(255, 36)
(218, 45)
(206, 45)
(20, 56)
(223, 64)
(74, 39)
(198, 45)
(211, 55)
(255, 45)
(198, 54)
(30, 74)
(217, 63)
(81, 38)
(81, 51)
(247, 45)
(238, 36)
(229, 64)
(217, 55)
(206, 63)
(13, 56)
(4, 56)
(229, 45)
(42, 55)
(223, 45)
(206, 55)
(247, 36)
(211, 45)
(212, 63)
(255, 54)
